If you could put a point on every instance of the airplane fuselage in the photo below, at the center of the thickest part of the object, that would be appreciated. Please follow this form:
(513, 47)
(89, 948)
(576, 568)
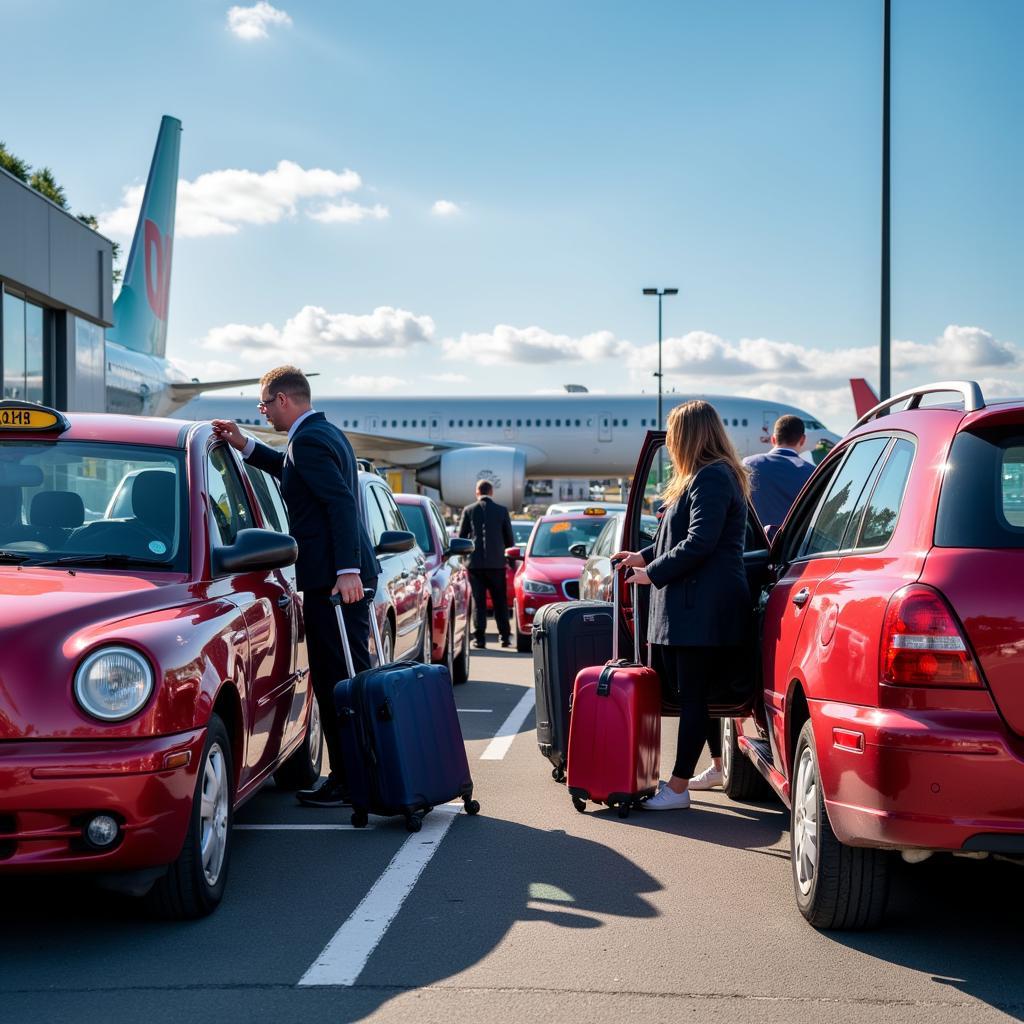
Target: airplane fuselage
(138, 383)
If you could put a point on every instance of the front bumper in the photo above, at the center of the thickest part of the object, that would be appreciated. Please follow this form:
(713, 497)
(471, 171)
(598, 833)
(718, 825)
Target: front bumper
(936, 780)
(49, 788)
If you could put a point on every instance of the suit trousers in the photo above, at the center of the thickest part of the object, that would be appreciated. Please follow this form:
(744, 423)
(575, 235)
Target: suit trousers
(483, 582)
(327, 659)
(688, 670)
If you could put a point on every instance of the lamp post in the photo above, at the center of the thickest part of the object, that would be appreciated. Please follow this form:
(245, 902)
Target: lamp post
(884, 341)
(660, 292)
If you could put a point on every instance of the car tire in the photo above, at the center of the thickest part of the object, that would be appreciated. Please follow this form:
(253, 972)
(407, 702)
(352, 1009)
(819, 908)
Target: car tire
(836, 886)
(303, 768)
(448, 657)
(426, 652)
(194, 883)
(387, 640)
(524, 641)
(740, 779)
(460, 673)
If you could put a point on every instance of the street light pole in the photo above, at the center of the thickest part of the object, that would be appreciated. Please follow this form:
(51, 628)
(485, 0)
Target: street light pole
(884, 380)
(660, 292)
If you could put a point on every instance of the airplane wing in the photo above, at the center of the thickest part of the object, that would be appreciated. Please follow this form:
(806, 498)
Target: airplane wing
(185, 391)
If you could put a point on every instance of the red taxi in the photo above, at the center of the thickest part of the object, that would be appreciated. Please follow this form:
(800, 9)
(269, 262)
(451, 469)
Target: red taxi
(154, 672)
(888, 712)
(550, 569)
(449, 608)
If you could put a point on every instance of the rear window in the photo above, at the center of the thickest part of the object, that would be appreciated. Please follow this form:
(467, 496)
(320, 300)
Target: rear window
(982, 499)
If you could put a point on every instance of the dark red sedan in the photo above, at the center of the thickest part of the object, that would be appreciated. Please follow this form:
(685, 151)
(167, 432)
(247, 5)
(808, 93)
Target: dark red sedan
(154, 672)
(450, 605)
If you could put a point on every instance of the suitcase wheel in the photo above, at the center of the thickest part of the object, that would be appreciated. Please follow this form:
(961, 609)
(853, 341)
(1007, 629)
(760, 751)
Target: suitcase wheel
(558, 774)
(624, 809)
(413, 823)
(472, 806)
(579, 804)
(360, 819)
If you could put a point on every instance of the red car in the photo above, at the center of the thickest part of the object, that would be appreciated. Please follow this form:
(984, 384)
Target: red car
(154, 671)
(890, 711)
(451, 602)
(550, 569)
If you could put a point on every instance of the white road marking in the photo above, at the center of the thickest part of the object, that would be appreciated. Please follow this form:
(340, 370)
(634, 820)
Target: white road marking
(475, 711)
(499, 746)
(345, 956)
(301, 828)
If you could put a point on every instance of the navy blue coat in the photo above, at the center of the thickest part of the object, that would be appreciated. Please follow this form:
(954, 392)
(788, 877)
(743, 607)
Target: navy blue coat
(699, 591)
(320, 485)
(776, 478)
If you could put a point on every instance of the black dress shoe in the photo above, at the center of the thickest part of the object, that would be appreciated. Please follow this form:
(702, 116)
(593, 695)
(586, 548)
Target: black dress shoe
(327, 792)
(506, 641)
(480, 644)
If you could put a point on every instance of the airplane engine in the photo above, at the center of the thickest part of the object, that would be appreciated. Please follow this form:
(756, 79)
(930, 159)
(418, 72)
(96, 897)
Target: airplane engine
(456, 474)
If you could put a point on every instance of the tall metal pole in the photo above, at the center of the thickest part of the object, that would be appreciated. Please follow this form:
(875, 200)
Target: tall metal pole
(884, 379)
(661, 422)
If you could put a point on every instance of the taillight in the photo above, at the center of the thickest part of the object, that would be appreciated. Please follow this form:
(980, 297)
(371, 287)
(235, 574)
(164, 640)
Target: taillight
(922, 644)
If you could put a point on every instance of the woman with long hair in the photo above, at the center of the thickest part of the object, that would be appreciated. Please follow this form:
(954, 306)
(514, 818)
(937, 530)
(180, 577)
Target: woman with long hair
(700, 601)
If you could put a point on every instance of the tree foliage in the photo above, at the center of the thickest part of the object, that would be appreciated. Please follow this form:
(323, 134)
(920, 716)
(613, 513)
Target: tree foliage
(13, 164)
(45, 183)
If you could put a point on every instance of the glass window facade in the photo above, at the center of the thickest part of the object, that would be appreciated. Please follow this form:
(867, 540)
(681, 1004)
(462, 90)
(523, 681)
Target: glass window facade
(24, 347)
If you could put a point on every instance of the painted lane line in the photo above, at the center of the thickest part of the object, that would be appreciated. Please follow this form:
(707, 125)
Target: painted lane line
(475, 711)
(499, 746)
(301, 828)
(345, 956)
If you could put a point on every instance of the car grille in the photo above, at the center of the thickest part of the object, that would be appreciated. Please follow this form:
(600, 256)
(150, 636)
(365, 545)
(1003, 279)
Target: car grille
(571, 589)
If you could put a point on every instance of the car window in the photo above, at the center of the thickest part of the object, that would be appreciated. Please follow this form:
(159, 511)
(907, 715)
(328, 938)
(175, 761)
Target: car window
(228, 503)
(884, 508)
(648, 530)
(265, 487)
(521, 531)
(1011, 485)
(392, 515)
(836, 511)
(553, 540)
(603, 545)
(375, 525)
(416, 519)
(439, 523)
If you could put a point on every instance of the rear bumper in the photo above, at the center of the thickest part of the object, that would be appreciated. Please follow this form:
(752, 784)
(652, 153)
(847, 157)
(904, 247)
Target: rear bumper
(49, 788)
(939, 780)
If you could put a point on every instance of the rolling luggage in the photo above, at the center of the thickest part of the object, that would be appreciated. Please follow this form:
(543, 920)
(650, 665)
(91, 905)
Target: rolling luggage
(566, 637)
(615, 731)
(401, 740)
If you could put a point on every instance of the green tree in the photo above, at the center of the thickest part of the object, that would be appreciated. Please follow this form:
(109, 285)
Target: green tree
(90, 220)
(45, 183)
(13, 164)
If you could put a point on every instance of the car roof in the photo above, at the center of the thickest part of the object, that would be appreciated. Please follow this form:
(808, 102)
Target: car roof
(114, 427)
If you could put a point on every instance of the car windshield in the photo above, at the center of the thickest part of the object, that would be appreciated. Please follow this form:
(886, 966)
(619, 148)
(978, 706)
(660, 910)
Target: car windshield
(416, 519)
(521, 531)
(72, 500)
(554, 539)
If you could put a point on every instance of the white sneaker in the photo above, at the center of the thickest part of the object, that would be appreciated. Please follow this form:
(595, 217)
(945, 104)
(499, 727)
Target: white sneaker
(710, 778)
(668, 800)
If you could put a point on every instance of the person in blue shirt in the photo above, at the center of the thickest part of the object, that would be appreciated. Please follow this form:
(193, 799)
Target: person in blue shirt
(778, 476)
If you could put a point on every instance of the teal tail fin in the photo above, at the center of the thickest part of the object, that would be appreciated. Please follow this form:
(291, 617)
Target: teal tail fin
(140, 312)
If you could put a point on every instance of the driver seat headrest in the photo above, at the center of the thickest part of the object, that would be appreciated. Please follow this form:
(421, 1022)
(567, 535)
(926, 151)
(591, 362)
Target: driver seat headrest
(153, 499)
(63, 509)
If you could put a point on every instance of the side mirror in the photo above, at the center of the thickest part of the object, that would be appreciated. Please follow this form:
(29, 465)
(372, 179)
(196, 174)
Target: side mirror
(255, 551)
(513, 554)
(394, 542)
(579, 550)
(459, 546)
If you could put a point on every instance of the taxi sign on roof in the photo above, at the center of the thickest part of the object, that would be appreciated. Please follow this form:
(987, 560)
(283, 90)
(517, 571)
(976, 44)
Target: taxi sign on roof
(594, 511)
(28, 416)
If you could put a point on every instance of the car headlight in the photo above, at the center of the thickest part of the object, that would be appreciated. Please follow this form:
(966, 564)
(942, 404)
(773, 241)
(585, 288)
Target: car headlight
(536, 587)
(113, 683)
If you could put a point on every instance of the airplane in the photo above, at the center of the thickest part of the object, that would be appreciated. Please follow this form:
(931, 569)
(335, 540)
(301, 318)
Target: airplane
(452, 442)
(864, 397)
(139, 377)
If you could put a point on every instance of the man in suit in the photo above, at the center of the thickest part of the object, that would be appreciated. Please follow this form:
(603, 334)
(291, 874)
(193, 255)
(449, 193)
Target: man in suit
(320, 486)
(778, 476)
(489, 525)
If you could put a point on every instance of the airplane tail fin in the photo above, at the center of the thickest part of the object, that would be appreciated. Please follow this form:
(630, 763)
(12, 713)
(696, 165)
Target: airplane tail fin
(864, 397)
(140, 312)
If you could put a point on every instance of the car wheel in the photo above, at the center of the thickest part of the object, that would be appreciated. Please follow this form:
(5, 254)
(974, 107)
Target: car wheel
(387, 642)
(461, 672)
(836, 886)
(449, 648)
(524, 641)
(740, 779)
(194, 883)
(426, 654)
(303, 767)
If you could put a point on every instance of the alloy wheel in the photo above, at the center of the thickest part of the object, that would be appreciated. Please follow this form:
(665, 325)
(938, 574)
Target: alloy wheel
(805, 822)
(213, 814)
(727, 727)
(316, 733)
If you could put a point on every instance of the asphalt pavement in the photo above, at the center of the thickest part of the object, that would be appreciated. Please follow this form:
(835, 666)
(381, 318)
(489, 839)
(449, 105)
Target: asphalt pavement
(527, 912)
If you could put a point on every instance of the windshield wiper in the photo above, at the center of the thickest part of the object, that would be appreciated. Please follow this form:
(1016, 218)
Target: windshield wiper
(107, 559)
(14, 556)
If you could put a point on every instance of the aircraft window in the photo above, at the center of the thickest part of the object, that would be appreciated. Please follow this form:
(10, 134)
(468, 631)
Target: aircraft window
(355, 423)
(547, 423)
(625, 423)
(490, 423)
(615, 423)
(590, 422)
(558, 423)
(519, 423)
(529, 423)
(344, 423)
(744, 423)
(394, 423)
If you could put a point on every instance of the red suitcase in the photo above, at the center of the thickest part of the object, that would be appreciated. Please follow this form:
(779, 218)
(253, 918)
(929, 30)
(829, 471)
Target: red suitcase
(615, 730)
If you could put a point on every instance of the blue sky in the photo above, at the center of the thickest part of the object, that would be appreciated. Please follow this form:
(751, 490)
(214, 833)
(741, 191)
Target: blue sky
(590, 148)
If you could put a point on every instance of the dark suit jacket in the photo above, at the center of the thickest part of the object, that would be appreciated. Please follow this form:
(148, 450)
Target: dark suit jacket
(699, 591)
(776, 477)
(490, 526)
(320, 485)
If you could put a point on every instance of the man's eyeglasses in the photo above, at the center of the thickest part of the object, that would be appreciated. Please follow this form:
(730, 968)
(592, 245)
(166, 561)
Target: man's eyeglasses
(262, 404)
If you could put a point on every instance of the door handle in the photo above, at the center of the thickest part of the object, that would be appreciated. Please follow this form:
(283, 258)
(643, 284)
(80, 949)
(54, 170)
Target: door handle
(284, 600)
(404, 575)
(801, 597)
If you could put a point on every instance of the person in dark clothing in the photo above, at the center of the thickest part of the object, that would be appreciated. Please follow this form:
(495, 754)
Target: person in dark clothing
(489, 525)
(700, 600)
(320, 486)
(778, 476)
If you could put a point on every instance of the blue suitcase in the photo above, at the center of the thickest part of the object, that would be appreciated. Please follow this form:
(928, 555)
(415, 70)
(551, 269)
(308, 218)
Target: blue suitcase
(401, 739)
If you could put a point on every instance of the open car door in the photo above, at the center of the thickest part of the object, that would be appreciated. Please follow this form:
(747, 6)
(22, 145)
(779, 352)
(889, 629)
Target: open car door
(649, 478)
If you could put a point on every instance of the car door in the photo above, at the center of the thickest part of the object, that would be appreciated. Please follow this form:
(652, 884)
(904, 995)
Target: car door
(264, 601)
(417, 587)
(458, 573)
(394, 570)
(805, 553)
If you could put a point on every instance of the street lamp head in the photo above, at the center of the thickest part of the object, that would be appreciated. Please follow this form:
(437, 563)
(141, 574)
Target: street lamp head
(650, 291)
(671, 291)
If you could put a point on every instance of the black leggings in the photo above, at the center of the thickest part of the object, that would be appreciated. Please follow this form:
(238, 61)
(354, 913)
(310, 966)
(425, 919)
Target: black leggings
(687, 671)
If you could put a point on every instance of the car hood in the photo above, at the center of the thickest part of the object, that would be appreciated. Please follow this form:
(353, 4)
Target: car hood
(553, 570)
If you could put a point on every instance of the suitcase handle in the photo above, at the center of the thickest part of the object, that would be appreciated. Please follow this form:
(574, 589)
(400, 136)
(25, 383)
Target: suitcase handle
(617, 617)
(374, 629)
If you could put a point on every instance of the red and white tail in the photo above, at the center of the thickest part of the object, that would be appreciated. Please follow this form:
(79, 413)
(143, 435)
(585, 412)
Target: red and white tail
(864, 397)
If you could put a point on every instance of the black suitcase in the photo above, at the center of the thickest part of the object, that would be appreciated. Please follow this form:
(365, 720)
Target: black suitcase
(567, 636)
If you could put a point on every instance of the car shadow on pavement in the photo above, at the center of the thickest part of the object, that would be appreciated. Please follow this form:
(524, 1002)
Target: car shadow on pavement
(957, 921)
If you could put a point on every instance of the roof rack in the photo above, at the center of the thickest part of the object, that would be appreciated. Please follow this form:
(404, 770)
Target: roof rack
(366, 465)
(969, 390)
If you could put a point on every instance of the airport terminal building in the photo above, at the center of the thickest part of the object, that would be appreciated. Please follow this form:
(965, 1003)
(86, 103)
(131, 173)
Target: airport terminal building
(57, 299)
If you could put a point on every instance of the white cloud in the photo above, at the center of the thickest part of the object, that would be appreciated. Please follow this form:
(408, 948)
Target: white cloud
(445, 208)
(221, 202)
(251, 23)
(506, 344)
(348, 212)
(449, 378)
(359, 384)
